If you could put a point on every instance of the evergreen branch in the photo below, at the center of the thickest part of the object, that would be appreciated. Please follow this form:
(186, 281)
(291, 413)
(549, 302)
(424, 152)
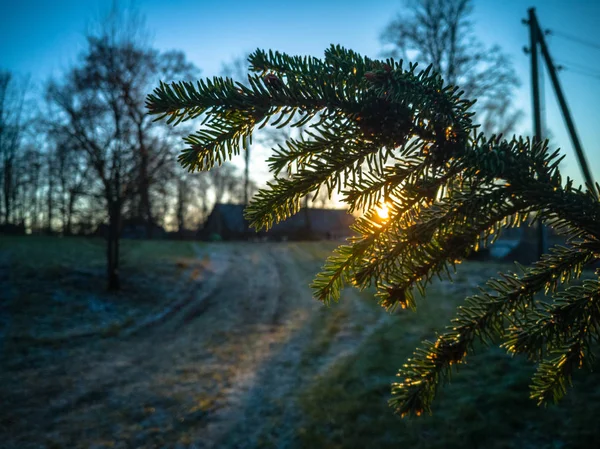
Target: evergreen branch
(533, 172)
(183, 101)
(482, 317)
(403, 205)
(434, 241)
(370, 188)
(330, 280)
(448, 190)
(546, 330)
(569, 325)
(418, 266)
(282, 198)
(210, 147)
(302, 151)
(373, 233)
(283, 64)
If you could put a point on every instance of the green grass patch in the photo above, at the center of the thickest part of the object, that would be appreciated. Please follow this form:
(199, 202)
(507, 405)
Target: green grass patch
(48, 253)
(326, 324)
(486, 405)
(55, 287)
(319, 251)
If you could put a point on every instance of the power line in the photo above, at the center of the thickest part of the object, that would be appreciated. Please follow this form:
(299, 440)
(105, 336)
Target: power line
(569, 64)
(537, 37)
(578, 69)
(581, 72)
(573, 38)
(573, 67)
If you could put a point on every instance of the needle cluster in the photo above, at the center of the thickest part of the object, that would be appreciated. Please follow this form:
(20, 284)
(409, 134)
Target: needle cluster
(381, 132)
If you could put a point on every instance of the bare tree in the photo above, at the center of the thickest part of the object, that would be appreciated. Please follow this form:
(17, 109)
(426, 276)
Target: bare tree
(238, 71)
(224, 181)
(101, 102)
(12, 98)
(72, 176)
(191, 200)
(31, 161)
(440, 33)
(154, 151)
(93, 117)
(26, 170)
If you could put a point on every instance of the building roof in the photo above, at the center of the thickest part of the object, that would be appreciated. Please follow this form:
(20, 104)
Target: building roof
(322, 221)
(231, 215)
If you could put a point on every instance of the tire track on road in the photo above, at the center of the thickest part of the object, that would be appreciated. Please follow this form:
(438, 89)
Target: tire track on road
(136, 353)
(243, 308)
(257, 397)
(269, 412)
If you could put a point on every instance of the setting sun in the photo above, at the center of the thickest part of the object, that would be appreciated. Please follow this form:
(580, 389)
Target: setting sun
(383, 211)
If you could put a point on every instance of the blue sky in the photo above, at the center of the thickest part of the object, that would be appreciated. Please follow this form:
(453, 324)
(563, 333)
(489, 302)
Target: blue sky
(43, 37)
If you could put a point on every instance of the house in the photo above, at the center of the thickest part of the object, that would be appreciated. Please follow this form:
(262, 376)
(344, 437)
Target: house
(519, 244)
(227, 222)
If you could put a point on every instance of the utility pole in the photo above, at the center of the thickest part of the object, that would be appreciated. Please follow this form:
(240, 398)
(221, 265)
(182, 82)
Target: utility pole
(246, 182)
(246, 172)
(583, 165)
(536, 37)
(535, 77)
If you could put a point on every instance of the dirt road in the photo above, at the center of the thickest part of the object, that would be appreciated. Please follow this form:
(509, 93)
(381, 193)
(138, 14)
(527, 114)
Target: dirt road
(222, 366)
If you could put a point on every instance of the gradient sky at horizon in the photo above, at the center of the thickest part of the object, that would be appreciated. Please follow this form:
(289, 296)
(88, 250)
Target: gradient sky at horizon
(42, 38)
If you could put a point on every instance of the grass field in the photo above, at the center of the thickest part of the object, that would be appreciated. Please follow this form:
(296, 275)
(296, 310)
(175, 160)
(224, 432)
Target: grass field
(243, 358)
(57, 285)
(485, 406)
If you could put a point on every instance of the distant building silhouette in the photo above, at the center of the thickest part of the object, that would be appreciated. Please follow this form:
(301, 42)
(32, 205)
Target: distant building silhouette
(227, 222)
(518, 244)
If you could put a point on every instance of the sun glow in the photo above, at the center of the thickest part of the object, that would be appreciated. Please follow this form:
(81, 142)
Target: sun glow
(383, 211)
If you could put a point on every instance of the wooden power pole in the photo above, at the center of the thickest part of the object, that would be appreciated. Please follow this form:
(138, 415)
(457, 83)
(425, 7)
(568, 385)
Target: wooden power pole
(536, 37)
(583, 165)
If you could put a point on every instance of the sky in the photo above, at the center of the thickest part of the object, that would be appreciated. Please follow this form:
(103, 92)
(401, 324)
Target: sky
(42, 38)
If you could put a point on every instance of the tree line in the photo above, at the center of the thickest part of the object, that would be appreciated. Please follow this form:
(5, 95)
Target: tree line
(84, 156)
(85, 152)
